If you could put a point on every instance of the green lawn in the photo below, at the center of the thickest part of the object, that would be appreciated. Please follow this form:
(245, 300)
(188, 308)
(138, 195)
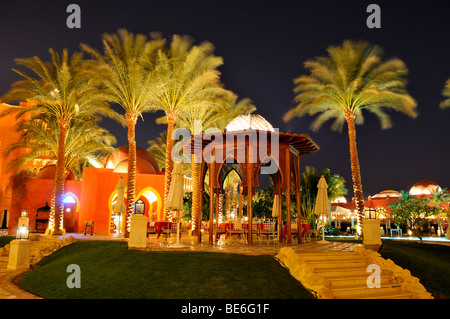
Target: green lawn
(428, 262)
(109, 270)
(5, 240)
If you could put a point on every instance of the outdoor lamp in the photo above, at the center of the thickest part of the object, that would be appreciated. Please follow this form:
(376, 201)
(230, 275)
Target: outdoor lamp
(370, 213)
(22, 233)
(24, 213)
(139, 207)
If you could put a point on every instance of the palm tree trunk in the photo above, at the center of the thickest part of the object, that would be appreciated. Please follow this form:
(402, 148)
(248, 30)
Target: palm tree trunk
(447, 234)
(356, 174)
(51, 221)
(227, 203)
(169, 163)
(131, 184)
(234, 200)
(196, 211)
(59, 181)
(220, 210)
(241, 201)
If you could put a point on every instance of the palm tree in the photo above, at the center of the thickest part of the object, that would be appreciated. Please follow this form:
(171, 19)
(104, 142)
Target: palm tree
(446, 93)
(157, 148)
(64, 90)
(197, 119)
(352, 78)
(86, 143)
(336, 185)
(189, 79)
(439, 197)
(126, 70)
(233, 109)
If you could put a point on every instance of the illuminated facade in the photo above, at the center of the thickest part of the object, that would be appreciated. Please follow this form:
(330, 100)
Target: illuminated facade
(93, 197)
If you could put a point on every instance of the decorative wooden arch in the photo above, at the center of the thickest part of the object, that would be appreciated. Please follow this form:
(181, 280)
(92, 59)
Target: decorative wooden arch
(290, 148)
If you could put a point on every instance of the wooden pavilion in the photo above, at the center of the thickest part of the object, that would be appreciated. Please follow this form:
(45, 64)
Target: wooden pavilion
(251, 152)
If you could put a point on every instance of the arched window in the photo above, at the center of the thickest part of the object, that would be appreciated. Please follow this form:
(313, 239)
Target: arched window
(68, 199)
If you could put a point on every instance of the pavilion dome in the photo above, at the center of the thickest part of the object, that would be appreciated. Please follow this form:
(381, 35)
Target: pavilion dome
(249, 122)
(423, 187)
(387, 194)
(49, 171)
(145, 161)
(340, 199)
(142, 167)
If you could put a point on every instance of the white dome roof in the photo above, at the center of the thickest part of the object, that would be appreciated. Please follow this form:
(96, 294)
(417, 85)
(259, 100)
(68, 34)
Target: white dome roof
(387, 193)
(249, 122)
(424, 187)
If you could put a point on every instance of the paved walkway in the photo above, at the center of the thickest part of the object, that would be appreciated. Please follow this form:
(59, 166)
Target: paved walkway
(236, 247)
(40, 246)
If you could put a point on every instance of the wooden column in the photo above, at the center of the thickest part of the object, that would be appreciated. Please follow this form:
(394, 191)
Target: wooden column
(212, 172)
(250, 201)
(288, 196)
(297, 194)
(280, 217)
(200, 217)
(199, 229)
(241, 201)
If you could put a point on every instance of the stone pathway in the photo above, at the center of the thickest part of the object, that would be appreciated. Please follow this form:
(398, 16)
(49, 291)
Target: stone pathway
(41, 246)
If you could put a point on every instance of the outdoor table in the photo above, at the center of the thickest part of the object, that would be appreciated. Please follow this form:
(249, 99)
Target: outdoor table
(305, 228)
(225, 227)
(159, 227)
(396, 230)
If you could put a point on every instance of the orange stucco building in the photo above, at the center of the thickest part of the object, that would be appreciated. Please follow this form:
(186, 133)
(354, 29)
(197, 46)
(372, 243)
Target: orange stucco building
(92, 198)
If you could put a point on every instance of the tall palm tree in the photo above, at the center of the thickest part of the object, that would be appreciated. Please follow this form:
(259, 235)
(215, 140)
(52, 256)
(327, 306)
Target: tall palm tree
(446, 93)
(233, 109)
(157, 148)
(352, 78)
(197, 119)
(216, 115)
(86, 143)
(127, 72)
(64, 90)
(439, 197)
(189, 78)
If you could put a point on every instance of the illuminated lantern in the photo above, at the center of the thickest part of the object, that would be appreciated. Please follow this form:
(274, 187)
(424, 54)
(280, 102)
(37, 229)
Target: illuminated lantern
(22, 233)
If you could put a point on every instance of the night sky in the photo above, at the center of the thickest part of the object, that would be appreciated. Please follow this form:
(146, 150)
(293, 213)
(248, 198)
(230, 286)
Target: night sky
(264, 45)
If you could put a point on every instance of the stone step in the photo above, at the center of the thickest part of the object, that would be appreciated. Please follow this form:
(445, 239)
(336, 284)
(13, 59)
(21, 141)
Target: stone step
(366, 292)
(357, 281)
(332, 256)
(339, 264)
(347, 272)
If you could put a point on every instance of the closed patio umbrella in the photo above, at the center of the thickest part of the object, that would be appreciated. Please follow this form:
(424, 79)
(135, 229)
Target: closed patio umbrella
(276, 206)
(322, 206)
(120, 208)
(175, 198)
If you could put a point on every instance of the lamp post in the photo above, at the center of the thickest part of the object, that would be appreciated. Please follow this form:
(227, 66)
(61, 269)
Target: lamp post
(23, 219)
(370, 213)
(138, 227)
(20, 249)
(371, 227)
(22, 233)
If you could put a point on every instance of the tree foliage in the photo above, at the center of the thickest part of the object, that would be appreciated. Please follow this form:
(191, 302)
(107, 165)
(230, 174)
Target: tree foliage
(411, 212)
(352, 79)
(446, 93)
